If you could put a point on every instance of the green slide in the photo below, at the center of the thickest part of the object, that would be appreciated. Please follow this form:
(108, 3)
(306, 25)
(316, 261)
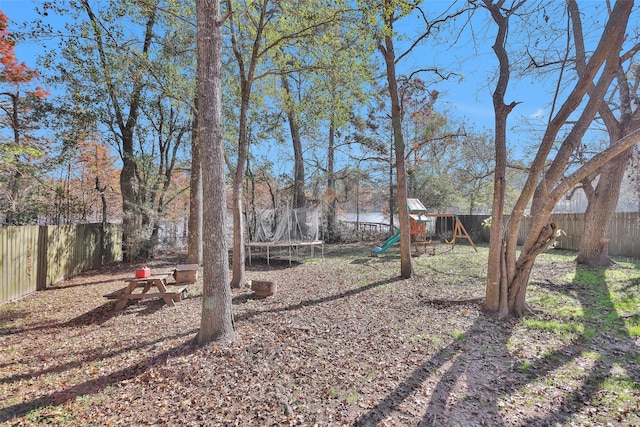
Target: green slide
(387, 244)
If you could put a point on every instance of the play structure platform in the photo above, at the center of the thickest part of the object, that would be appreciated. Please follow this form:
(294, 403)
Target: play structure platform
(421, 235)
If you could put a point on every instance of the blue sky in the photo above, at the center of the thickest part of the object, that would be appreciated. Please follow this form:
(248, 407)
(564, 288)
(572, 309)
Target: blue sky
(20, 11)
(469, 100)
(468, 97)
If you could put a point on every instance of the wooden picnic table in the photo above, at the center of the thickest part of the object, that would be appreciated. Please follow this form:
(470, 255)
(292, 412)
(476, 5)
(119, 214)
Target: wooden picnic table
(170, 293)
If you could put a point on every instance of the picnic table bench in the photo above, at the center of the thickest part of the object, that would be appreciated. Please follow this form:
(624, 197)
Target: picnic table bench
(169, 292)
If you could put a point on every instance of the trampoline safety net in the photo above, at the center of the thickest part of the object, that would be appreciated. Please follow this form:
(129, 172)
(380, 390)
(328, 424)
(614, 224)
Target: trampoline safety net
(286, 225)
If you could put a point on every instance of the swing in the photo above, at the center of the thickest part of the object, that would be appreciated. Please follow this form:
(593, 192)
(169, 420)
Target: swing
(446, 230)
(418, 226)
(459, 231)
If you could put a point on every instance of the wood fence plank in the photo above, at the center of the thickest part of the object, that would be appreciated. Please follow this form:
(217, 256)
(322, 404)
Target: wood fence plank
(34, 257)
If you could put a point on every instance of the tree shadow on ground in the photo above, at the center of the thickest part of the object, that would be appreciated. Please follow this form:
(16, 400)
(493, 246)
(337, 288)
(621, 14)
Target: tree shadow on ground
(93, 386)
(57, 287)
(260, 264)
(605, 336)
(311, 302)
(484, 347)
(96, 316)
(7, 316)
(454, 359)
(96, 385)
(387, 257)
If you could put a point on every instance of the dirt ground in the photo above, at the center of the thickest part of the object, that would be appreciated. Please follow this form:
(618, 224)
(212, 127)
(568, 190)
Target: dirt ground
(343, 342)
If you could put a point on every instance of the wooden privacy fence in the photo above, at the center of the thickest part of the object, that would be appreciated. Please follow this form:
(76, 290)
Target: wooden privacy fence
(37, 256)
(624, 236)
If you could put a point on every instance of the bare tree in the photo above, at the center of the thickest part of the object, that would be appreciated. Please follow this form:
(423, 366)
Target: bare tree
(548, 180)
(603, 196)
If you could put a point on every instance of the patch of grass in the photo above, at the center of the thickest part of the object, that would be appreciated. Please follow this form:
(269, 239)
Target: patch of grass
(570, 311)
(436, 341)
(351, 396)
(372, 373)
(591, 277)
(633, 326)
(55, 415)
(628, 303)
(617, 392)
(445, 266)
(458, 335)
(421, 336)
(561, 305)
(10, 401)
(554, 325)
(525, 367)
(333, 392)
(589, 334)
(592, 355)
(90, 399)
(550, 356)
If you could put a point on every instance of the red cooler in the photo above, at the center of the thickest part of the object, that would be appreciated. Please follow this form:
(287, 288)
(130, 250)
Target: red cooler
(143, 273)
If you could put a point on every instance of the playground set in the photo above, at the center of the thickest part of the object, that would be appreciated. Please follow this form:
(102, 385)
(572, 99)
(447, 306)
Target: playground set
(423, 227)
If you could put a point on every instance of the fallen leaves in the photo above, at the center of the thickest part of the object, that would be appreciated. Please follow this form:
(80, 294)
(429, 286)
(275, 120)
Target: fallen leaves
(338, 344)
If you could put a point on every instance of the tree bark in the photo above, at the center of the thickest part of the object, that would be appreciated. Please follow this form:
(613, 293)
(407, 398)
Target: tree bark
(299, 199)
(12, 217)
(392, 205)
(217, 316)
(247, 74)
(602, 201)
(126, 126)
(238, 255)
(547, 182)
(194, 243)
(332, 201)
(406, 268)
(594, 245)
(496, 296)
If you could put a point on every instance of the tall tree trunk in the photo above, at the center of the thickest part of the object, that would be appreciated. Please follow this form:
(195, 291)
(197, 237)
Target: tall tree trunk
(12, 217)
(247, 72)
(103, 200)
(331, 187)
(299, 199)
(406, 269)
(238, 266)
(496, 290)
(194, 240)
(126, 125)
(250, 210)
(392, 205)
(130, 220)
(217, 316)
(602, 201)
